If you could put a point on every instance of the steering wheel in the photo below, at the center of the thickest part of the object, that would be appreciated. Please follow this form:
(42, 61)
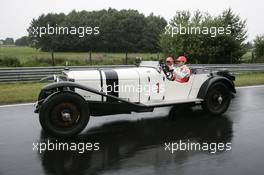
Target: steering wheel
(165, 68)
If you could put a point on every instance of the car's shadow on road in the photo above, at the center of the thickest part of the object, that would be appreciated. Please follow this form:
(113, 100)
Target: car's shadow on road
(120, 140)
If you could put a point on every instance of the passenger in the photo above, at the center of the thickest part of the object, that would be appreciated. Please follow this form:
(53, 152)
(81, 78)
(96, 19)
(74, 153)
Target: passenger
(169, 62)
(181, 73)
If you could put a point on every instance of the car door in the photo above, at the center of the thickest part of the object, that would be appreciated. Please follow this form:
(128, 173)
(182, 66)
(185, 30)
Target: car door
(157, 85)
(152, 85)
(178, 91)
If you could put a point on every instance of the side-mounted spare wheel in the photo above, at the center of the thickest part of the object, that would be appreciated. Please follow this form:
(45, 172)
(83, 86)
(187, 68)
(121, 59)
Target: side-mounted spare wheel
(217, 99)
(64, 114)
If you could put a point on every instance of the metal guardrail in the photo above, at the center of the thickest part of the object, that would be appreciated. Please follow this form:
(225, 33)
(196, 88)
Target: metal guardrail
(235, 68)
(36, 73)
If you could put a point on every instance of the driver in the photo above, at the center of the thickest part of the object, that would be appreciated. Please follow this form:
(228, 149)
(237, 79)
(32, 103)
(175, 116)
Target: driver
(181, 73)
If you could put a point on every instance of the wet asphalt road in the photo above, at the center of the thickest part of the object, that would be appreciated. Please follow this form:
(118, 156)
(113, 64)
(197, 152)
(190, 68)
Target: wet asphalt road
(134, 144)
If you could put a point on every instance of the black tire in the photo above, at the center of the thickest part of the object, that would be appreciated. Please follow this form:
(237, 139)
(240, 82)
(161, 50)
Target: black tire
(64, 114)
(217, 99)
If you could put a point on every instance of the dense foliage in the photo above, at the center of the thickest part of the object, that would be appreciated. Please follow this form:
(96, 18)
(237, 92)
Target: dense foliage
(109, 31)
(259, 46)
(227, 46)
(130, 31)
(23, 41)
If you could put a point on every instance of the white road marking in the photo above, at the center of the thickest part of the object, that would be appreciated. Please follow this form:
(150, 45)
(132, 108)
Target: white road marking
(27, 104)
(21, 104)
(246, 87)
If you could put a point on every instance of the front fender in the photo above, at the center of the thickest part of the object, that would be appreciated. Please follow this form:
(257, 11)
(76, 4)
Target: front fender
(206, 85)
(67, 85)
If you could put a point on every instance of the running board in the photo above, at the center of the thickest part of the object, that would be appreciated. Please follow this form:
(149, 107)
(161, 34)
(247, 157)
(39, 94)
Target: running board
(173, 102)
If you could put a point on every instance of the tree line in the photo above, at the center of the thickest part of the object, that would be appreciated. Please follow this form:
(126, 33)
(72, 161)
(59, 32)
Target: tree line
(119, 31)
(209, 46)
(131, 31)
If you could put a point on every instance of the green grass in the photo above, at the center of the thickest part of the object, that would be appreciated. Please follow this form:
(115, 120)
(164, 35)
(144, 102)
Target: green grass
(28, 92)
(247, 79)
(32, 57)
(19, 92)
(247, 57)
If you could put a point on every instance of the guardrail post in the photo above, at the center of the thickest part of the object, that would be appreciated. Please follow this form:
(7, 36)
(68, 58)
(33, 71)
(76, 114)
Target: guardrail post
(52, 57)
(126, 59)
(90, 57)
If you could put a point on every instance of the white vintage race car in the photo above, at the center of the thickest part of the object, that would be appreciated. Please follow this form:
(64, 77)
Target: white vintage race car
(65, 106)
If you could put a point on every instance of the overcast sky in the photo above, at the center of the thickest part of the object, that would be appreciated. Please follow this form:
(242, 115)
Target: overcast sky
(15, 15)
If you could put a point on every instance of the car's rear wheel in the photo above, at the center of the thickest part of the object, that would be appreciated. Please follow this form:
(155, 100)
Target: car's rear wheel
(64, 114)
(217, 99)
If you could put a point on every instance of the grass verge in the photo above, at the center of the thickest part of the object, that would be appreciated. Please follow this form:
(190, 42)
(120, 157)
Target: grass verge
(19, 92)
(247, 79)
(28, 92)
(17, 56)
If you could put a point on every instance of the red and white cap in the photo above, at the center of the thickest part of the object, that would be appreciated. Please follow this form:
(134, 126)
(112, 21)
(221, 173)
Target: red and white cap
(181, 59)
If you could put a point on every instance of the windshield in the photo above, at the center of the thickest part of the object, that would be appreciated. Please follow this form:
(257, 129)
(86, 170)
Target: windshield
(154, 64)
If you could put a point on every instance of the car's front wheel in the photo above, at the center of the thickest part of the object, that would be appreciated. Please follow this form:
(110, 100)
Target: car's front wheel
(217, 99)
(64, 114)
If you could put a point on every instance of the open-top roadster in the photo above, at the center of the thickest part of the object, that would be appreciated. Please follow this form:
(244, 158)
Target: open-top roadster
(65, 105)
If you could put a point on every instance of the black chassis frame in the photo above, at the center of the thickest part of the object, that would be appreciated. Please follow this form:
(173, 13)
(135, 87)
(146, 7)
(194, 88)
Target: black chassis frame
(118, 105)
